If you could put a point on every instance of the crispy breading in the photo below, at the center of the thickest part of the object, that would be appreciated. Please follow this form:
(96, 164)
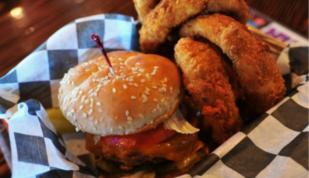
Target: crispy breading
(256, 69)
(166, 15)
(143, 7)
(171, 13)
(208, 84)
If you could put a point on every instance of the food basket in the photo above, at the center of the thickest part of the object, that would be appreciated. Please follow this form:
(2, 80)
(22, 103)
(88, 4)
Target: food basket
(36, 143)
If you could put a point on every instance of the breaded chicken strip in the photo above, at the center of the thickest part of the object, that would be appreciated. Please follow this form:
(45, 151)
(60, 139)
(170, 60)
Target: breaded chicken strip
(171, 13)
(143, 7)
(255, 67)
(166, 15)
(207, 82)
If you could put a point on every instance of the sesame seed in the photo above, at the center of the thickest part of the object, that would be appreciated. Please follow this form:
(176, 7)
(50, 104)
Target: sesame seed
(147, 90)
(86, 101)
(100, 69)
(133, 97)
(144, 98)
(98, 104)
(143, 80)
(127, 113)
(129, 79)
(158, 107)
(124, 86)
(114, 90)
(163, 89)
(129, 118)
(154, 71)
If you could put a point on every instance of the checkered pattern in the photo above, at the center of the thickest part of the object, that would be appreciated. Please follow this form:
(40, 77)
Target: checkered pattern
(34, 143)
(37, 76)
(293, 63)
(274, 145)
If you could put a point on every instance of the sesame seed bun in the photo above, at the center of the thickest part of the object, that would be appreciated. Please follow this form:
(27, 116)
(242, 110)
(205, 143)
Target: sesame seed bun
(143, 93)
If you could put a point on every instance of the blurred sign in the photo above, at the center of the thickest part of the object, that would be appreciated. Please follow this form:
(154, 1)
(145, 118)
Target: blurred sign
(274, 29)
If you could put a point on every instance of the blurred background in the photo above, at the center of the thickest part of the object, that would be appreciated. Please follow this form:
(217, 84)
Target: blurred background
(25, 24)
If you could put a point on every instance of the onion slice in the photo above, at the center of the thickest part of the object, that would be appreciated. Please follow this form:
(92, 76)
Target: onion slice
(179, 124)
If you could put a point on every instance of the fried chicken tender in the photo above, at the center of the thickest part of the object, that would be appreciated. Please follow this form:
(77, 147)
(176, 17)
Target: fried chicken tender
(255, 67)
(166, 15)
(143, 7)
(207, 82)
(171, 13)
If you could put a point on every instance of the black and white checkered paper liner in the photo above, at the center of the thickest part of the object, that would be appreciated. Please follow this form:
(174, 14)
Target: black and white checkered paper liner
(274, 145)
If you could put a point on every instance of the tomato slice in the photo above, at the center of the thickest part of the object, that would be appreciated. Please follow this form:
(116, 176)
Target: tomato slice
(139, 140)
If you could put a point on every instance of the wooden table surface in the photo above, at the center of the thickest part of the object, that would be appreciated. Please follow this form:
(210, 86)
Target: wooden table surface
(26, 24)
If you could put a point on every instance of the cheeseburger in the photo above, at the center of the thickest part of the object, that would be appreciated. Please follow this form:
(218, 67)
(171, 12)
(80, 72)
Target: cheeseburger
(130, 116)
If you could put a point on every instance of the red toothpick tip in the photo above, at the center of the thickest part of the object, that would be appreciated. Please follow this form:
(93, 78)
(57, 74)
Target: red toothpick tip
(96, 38)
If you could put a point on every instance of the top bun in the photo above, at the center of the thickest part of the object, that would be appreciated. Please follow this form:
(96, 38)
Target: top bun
(143, 93)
